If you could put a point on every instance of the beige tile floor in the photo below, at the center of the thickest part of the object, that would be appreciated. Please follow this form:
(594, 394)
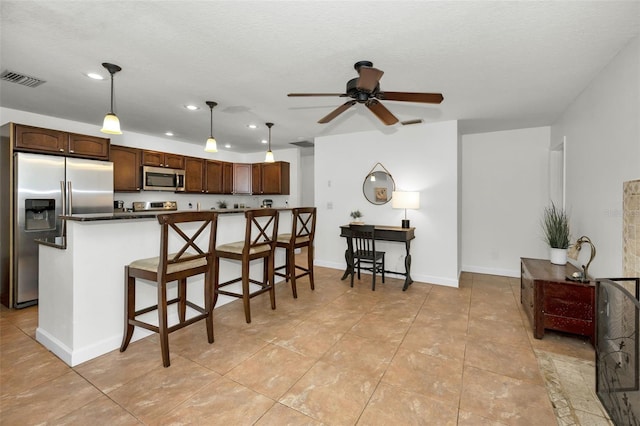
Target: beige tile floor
(432, 355)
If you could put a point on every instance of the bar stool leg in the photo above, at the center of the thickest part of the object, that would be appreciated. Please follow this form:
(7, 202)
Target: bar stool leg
(182, 295)
(271, 275)
(129, 308)
(291, 270)
(245, 291)
(209, 303)
(162, 324)
(310, 265)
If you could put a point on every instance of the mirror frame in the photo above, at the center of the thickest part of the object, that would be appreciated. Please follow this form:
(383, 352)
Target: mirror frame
(374, 194)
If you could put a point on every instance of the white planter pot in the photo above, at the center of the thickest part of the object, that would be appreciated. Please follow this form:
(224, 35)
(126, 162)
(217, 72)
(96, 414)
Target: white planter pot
(558, 256)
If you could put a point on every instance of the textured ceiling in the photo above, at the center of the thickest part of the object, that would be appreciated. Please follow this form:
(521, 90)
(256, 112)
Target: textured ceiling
(499, 65)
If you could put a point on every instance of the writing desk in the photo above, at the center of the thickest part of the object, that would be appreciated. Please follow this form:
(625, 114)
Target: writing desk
(383, 233)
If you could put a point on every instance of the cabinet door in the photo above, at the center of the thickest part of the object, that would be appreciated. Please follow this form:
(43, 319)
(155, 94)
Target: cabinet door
(35, 139)
(194, 174)
(227, 178)
(256, 178)
(152, 158)
(88, 146)
(213, 177)
(242, 178)
(174, 161)
(126, 168)
(275, 178)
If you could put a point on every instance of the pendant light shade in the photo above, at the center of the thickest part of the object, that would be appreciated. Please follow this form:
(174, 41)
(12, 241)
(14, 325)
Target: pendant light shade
(269, 157)
(111, 124)
(212, 145)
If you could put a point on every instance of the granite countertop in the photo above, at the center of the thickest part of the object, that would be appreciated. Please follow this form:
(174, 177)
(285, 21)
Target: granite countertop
(91, 217)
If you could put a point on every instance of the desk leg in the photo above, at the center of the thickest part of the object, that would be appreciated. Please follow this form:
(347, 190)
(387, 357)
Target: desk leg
(348, 257)
(407, 266)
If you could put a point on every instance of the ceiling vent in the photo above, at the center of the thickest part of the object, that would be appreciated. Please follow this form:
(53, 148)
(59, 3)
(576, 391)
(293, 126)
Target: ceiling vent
(303, 144)
(25, 80)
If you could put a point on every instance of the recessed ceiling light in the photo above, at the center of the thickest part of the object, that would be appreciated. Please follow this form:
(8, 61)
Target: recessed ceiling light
(227, 145)
(264, 141)
(252, 126)
(168, 133)
(94, 76)
(192, 107)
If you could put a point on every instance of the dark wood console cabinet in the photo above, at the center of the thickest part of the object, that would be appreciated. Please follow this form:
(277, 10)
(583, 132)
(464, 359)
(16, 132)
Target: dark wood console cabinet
(552, 302)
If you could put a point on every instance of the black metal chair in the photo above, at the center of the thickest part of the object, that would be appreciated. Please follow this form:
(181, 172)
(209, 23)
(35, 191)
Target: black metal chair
(364, 254)
(193, 258)
(302, 234)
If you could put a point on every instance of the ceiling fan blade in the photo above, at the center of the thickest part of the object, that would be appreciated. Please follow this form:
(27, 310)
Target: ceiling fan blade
(369, 78)
(336, 112)
(315, 94)
(381, 112)
(428, 98)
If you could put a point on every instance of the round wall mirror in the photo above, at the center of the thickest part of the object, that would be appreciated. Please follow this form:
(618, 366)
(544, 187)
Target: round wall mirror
(378, 187)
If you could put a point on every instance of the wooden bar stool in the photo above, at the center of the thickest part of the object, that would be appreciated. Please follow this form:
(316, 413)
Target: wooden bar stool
(302, 234)
(192, 258)
(259, 243)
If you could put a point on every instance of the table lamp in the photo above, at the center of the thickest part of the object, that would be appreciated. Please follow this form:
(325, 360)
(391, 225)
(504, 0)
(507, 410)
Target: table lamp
(405, 200)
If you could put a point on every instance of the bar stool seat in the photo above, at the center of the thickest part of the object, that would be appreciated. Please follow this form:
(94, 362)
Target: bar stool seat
(259, 242)
(194, 257)
(301, 235)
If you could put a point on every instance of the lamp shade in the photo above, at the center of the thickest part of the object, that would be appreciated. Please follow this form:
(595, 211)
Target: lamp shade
(405, 200)
(211, 146)
(269, 157)
(111, 124)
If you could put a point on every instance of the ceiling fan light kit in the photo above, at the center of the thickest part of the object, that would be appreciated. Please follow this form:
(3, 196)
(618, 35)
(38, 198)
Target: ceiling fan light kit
(365, 89)
(211, 145)
(111, 123)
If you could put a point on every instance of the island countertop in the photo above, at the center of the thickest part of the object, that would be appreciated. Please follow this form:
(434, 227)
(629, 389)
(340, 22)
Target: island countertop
(88, 217)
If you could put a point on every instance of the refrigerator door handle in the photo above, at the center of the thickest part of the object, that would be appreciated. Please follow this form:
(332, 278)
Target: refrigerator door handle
(63, 193)
(70, 198)
(64, 197)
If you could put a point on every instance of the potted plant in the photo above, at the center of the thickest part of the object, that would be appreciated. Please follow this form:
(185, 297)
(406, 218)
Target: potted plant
(555, 224)
(222, 204)
(355, 215)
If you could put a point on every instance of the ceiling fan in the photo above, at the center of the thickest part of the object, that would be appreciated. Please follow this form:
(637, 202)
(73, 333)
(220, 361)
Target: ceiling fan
(365, 89)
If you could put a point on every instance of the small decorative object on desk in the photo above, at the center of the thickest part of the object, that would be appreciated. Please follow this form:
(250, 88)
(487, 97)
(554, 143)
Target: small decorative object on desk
(222, 204)
(555, 224)
(355, 215)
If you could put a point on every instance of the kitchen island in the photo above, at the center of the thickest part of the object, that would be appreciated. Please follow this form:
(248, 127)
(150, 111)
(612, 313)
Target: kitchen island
(81, 279)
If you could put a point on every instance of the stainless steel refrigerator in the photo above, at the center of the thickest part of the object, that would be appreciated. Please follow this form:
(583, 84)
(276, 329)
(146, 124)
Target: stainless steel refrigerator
(46, 187)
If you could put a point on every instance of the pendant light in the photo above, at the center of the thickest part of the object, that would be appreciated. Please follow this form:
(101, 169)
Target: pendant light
(111, 123)
(269, 157)
(211, 145)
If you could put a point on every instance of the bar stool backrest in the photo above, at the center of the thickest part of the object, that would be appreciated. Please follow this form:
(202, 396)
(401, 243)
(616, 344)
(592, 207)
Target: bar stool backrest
(304, 224)
(261, 229)
(191, 252)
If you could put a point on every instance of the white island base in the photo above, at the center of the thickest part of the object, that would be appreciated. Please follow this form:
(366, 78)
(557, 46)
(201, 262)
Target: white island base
(81, 288)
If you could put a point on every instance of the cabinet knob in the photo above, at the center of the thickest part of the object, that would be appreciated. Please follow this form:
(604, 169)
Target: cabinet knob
(71, 150)
(61, 150)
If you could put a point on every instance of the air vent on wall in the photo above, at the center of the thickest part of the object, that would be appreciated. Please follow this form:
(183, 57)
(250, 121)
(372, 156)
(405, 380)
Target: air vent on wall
(303, 144)
(22, 79)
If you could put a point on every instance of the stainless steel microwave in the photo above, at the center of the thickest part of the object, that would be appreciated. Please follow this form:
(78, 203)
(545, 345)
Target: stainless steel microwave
(162, 179)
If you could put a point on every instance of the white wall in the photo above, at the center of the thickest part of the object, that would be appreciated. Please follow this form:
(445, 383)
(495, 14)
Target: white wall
(139, 140)
(603, 151)
(307, 173)
(505, 188)
(420, 158)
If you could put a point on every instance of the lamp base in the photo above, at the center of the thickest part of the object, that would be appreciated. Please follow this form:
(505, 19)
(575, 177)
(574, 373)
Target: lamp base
(405, 223)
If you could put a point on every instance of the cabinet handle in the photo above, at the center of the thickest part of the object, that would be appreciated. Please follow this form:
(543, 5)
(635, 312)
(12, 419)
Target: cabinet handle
(71, 150)
(61, 150)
